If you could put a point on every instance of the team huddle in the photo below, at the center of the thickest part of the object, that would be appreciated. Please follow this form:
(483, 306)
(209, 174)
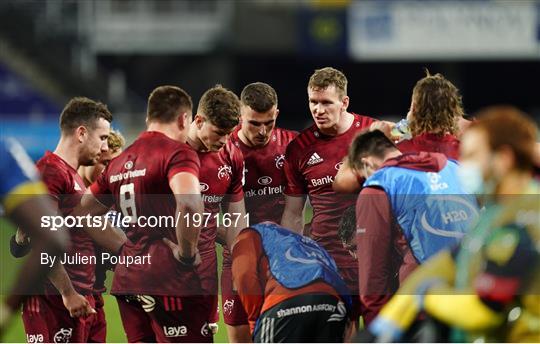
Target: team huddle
(391, 210)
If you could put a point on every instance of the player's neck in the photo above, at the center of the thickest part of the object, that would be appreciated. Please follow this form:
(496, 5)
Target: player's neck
(168, 129)
(342, 126)
(68, 151)
(83, 171)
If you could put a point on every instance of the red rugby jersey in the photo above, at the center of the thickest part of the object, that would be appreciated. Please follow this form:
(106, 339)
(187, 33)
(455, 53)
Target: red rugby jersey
(221, 177)
(67, 187)
(311, 163)
(264, 178)
(446, 144)
(137, 183)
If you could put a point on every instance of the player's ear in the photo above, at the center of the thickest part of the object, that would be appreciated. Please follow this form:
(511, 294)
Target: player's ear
(277, 112)
(81, 132)
(199, 121)
(182, 121)
(345, 103)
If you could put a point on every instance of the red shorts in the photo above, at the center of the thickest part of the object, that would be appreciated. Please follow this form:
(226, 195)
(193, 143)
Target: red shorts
(98, 332)
(208, 276)
(161, 319)
(350, 276)
(46, 319)
(233, 310)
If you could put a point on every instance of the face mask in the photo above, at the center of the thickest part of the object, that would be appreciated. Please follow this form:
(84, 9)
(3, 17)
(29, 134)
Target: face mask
(471, 179)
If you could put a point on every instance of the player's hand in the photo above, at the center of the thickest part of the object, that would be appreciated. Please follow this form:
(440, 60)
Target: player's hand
(384, 126)
(21, 237)
(187, 261)
(77, 305)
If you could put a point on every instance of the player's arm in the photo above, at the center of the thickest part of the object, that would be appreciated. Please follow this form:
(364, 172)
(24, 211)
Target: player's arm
(374, 251)
(384, 126)
(347, 180)
(75, 303)
(511, 258)
(26, 203)
(186, 189)
(235, 205)
(245, 270)
(397, 316)
(292, 217)
(295, 193)
(429, 287)
(27, 211)
(237, 212)
(106, 236)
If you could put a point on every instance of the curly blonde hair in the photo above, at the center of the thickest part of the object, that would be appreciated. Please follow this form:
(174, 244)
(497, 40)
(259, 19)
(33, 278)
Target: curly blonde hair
(115, 141)
(437, 106)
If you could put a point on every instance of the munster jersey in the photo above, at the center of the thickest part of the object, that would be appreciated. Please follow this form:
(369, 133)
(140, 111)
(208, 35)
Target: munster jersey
(137, 183)
(446, 144)
(311, 163)
(265, 180)
(221, 177)
(67, 187)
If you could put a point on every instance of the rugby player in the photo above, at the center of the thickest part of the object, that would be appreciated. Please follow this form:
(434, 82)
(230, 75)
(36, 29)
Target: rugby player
(435, 120)
(157, 178)
(20, 242)
(289, 286)
(85, 126)
(311, 162)
(435, 112)
(221, 177)
(263, 148)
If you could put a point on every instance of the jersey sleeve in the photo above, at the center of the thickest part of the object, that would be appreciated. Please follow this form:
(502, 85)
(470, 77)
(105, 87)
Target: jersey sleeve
(184, 159)
(294, 182)
(374, 247)
(236, 191)
(246, 276)
(366, 121)
(18, 175)
(56, 179)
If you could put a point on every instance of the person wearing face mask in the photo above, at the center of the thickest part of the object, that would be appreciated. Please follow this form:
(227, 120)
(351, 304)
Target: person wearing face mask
(487, 288)
(412, 206)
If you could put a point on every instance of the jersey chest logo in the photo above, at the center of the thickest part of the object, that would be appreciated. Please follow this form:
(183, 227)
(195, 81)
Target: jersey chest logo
(224, 172)
(314, 159)
(279, 159)
(204, 187)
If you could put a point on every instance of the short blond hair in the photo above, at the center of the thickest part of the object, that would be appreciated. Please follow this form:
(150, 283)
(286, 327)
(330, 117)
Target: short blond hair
(328, 76)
